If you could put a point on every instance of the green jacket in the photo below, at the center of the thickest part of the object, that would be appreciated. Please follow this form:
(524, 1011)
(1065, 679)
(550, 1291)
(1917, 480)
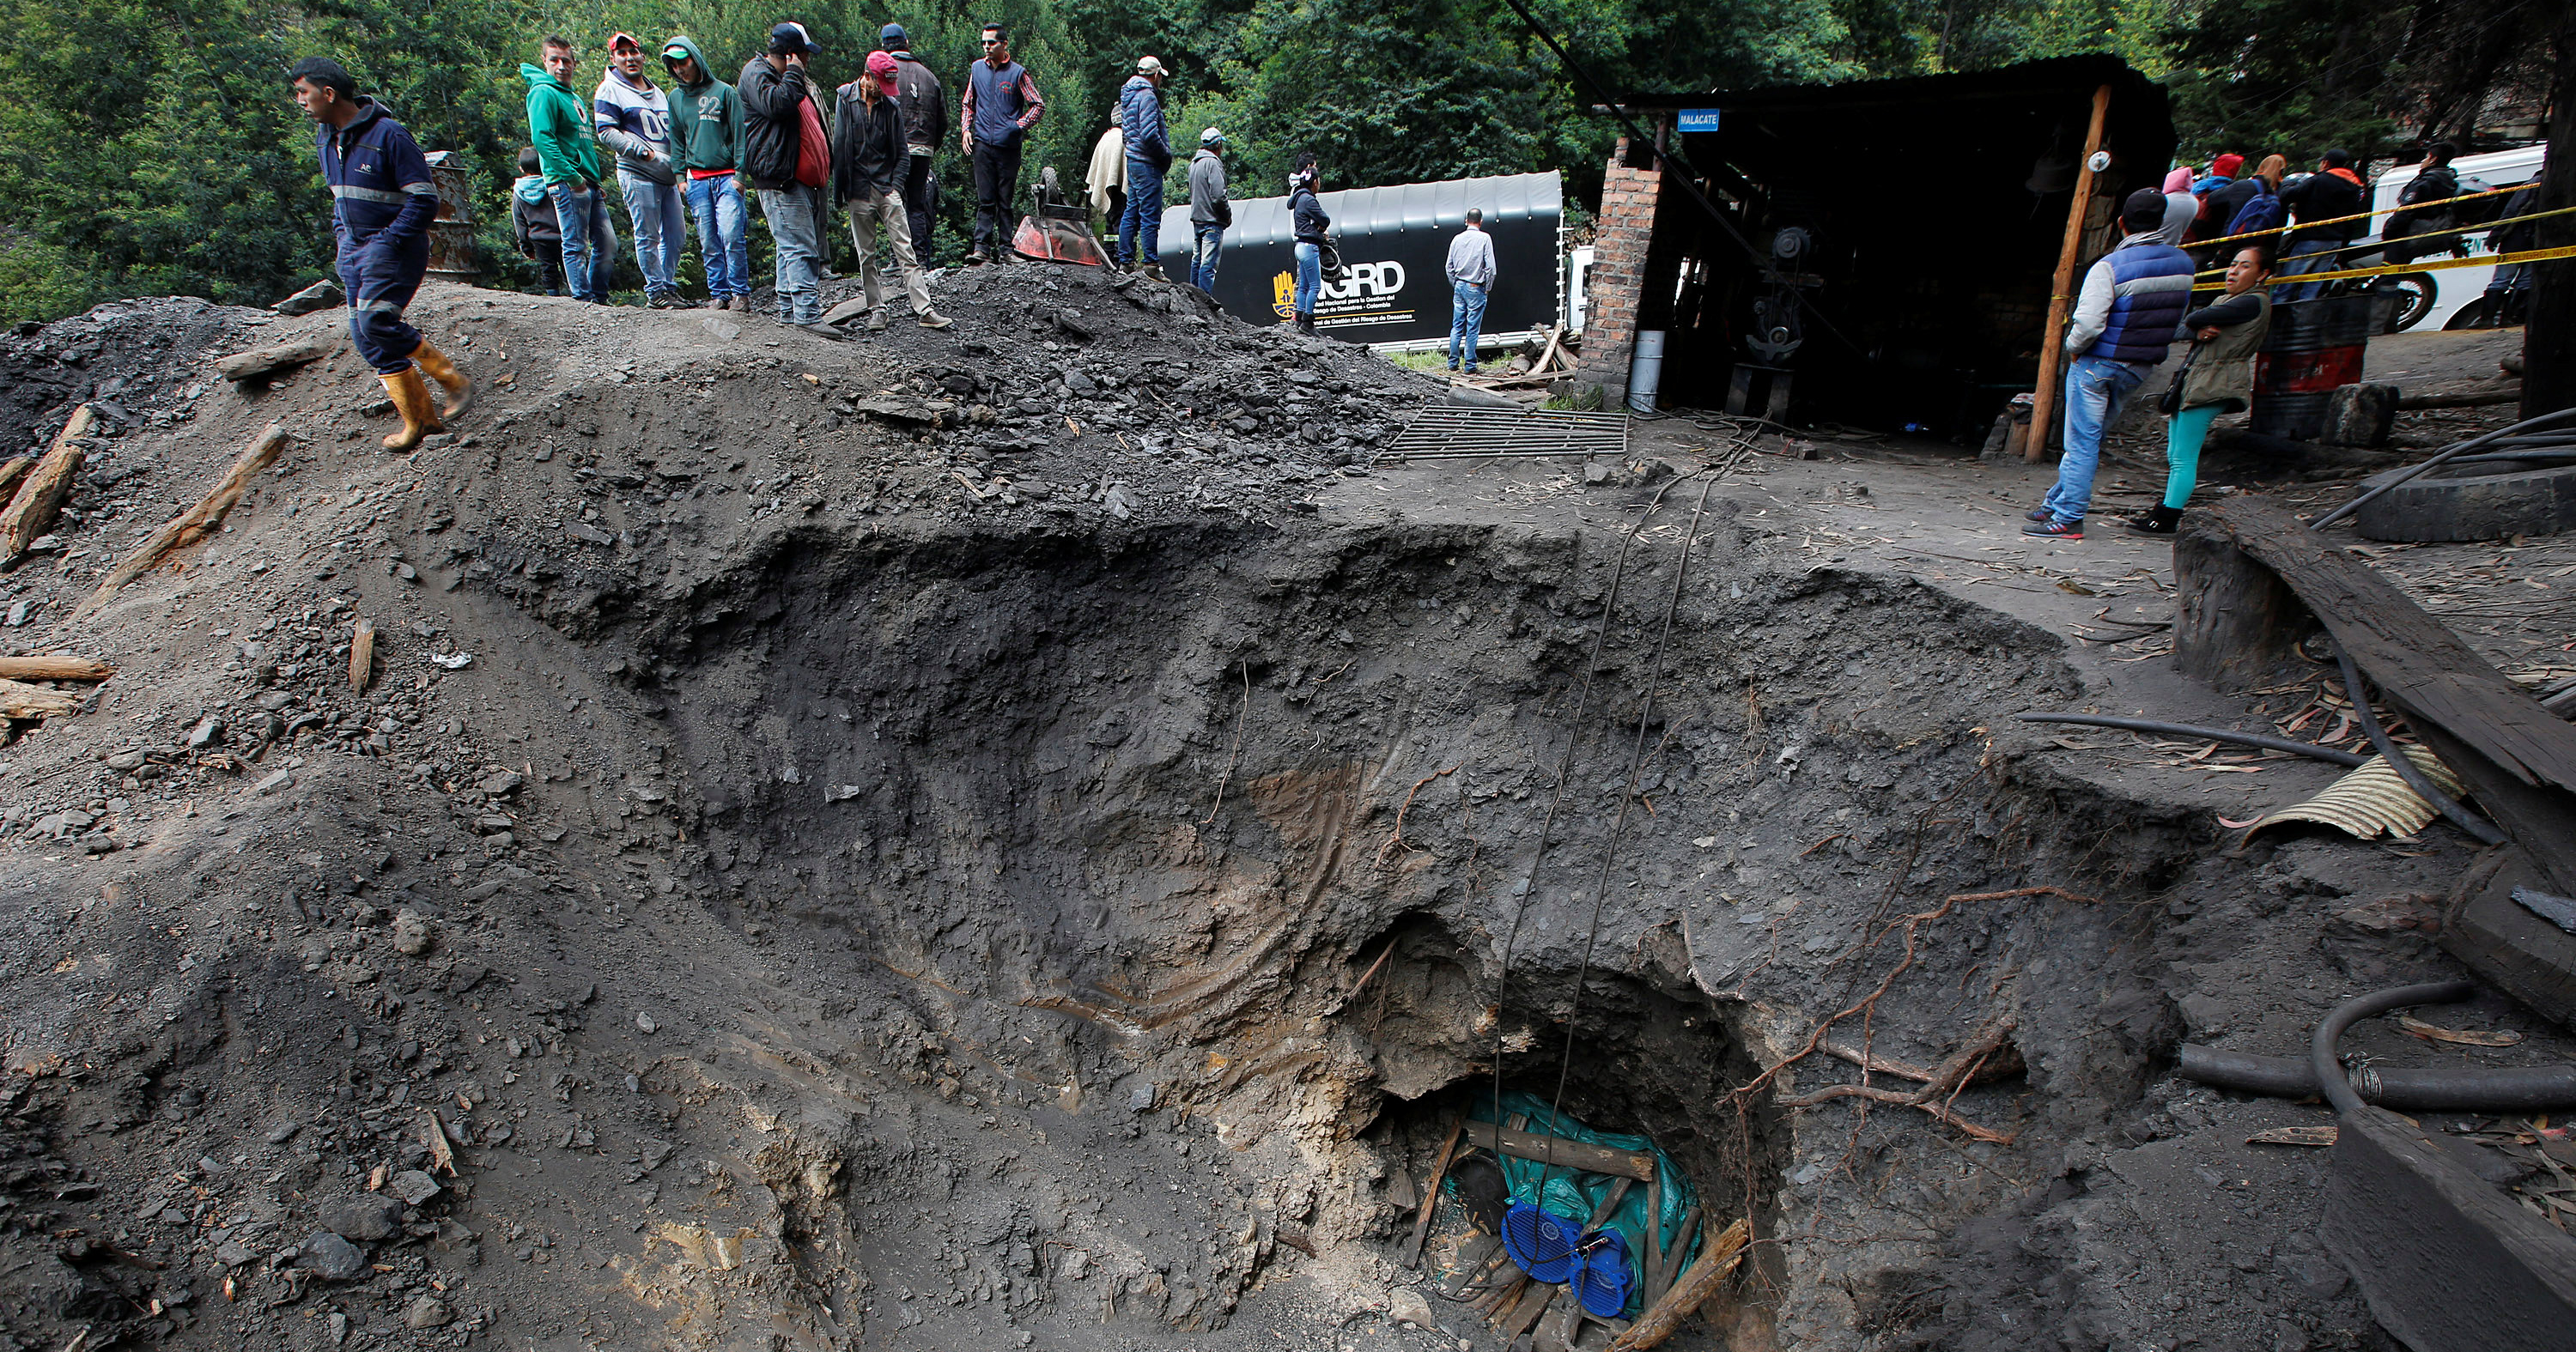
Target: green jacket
(559, 127)
(706, 118)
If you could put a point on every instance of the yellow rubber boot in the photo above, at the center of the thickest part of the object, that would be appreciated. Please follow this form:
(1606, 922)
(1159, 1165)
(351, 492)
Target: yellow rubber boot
(434, 364)
(411, 400)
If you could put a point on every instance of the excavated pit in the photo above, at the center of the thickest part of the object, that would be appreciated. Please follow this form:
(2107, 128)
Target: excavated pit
(1035, 881)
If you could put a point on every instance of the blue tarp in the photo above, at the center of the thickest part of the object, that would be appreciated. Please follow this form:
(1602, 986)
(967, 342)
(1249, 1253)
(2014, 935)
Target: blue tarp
(1575, 1196)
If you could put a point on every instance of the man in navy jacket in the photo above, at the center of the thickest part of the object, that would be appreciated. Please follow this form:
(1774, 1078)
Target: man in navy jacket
(382, 203)
(2126, 314)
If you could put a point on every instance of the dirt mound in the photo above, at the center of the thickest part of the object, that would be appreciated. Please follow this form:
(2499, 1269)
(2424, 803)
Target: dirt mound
(974, 837)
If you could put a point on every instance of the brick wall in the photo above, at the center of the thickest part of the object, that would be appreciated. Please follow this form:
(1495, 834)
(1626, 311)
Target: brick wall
(1625, 227)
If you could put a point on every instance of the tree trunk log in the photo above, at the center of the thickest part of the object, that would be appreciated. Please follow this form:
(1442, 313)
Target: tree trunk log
(2549, 336)
(31, 513)
(268, 361)
(197, 522)
(54, 669)
(2236, 624)
(30, 701)
(1687, 1295)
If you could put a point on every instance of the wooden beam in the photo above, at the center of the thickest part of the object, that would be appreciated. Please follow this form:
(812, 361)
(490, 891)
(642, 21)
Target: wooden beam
(11, 471)
(268, 361)
(1695, 1287)
(2061, 289)
(362, 655)
(2516, 757)
(35, 701)
(31, 512)
(1431, 1195)
(54, 669)
(198, 522)
(1590, 1159)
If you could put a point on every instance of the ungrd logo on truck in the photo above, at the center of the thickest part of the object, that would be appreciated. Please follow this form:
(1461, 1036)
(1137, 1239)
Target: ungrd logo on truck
(1366, 294)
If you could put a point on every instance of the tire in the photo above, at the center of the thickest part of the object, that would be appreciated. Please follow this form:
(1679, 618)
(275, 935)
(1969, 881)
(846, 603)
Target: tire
(2472, 507)
(2418, 290)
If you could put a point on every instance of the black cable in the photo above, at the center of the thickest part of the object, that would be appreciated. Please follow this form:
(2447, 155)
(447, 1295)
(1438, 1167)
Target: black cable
(2298, 748)
(2404, 765)
(2425, 1089)
(2327, 1065)
(1618, 831)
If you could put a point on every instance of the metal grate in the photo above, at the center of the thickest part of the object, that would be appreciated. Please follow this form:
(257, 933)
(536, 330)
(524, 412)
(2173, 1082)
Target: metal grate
(1457, 432)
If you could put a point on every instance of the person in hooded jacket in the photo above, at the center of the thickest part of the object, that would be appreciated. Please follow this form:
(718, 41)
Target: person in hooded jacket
(559, 124)
(1210, 212)
(634, 121)
(382, 203)
(925, 124)
(2218, 377)
(706, 148)
(1310, 226)
(788, 158)
(2262, 209)
(869, 161)
(1149, 157)
(532, 220)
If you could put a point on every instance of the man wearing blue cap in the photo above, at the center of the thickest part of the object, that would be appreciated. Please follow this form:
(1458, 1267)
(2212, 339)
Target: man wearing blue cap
(925, 125)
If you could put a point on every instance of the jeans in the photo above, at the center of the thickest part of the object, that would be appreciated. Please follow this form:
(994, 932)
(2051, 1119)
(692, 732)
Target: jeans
(1466, 318)
(1211, 242)
(1310, 277)
(380, 283)
(795, 215)
(659, 218)
(2292, 266)
(589, 238)
(722, 245)
(1143, 218)
(921, 203)
(2183, 437)
(997, 181)
(2096, 387)
(866, 215)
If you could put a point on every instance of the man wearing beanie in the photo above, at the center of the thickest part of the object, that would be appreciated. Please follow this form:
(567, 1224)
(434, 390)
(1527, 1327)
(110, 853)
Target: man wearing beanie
(925, 125)
(382, 203)
(2127, 312)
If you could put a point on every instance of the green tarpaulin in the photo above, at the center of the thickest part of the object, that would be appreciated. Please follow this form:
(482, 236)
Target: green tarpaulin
(1575, 1196)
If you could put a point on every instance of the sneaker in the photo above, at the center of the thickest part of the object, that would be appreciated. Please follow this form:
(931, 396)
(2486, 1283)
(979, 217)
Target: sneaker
(2037, 514)
(1152, 272)
(932, 319)
(975, 259)
(2054, 529)
(717, 303)
(2160, 520)
(877, 320)
(1471, 370)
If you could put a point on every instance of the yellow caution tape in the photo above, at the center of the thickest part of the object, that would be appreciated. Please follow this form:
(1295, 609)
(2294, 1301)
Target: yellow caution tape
(2362, 245)
(2489, 260)
(2382, 211)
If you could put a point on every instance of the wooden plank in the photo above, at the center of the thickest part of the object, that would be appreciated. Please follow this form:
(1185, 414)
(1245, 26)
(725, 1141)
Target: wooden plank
(1480, 1255)
(199, 521)
(31, 512)
(1662, 1280)
(1652, 1260)
(54, 668)
(1431, 1195)
(2061, 289)
(2445, 1259)
(34, 701)
(2517, 759)
(1524, 1317)
(362, 655)
(1666, 1315)
(1579, 1155)
(268, 361)
(11, 471)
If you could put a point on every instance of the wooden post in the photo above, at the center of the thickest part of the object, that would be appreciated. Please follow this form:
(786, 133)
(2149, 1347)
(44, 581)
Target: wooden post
(2061, 291)
(1431, 1194)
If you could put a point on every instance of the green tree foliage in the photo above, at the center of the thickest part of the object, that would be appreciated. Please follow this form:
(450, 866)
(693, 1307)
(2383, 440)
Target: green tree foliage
(161, 152)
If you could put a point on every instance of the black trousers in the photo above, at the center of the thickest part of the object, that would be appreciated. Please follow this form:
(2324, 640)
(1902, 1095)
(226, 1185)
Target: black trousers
(921, 203)
(997, 181)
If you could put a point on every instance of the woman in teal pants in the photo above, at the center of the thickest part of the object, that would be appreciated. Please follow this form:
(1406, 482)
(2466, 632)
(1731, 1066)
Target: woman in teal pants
(2218, 377)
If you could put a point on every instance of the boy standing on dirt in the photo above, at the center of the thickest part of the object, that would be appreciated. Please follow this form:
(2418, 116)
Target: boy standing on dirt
(382, 203)
(706, 145)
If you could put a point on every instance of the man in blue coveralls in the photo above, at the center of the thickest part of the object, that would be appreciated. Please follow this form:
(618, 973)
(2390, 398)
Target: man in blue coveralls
(383, 201)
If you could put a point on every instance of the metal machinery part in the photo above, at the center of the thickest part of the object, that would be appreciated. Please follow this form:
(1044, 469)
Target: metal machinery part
(1777, 330)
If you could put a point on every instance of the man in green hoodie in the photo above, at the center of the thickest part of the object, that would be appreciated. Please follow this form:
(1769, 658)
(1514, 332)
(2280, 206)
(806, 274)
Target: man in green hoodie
(559, 125)
(706, 146)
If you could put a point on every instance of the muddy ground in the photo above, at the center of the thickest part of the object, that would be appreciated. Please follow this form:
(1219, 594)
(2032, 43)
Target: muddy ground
(1010, 837)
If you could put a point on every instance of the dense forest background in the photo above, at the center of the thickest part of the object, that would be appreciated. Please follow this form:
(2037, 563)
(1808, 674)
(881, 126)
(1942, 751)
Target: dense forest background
(157, 151)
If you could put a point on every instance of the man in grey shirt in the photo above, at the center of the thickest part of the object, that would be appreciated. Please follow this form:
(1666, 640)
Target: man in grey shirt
(1210, 212)
(1471, 279)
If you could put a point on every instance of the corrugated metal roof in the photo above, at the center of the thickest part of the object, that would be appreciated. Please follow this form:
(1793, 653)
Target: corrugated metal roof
(1394, 210)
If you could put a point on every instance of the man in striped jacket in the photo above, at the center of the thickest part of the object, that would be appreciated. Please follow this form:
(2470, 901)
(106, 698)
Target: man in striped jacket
(382, 204)
(2127, 313)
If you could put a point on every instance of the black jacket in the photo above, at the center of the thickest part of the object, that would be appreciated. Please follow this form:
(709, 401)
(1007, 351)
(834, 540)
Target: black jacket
(2325, 196)
(2225, 202)
(868, 151)
(925, 109)
(1306, 217)
(772, 124)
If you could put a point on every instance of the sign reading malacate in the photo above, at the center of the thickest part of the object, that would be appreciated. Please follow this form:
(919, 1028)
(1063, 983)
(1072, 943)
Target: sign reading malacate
(1394, 243)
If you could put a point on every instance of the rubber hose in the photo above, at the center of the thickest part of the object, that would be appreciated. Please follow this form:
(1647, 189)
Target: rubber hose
(2327, 1066)
(2453, 453)
(2406, 769)
(2429, 1089)
(2268, 743)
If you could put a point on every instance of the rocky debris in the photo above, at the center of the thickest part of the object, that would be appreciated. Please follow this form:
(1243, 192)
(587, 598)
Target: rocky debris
(333, 1259)
(322, 295)
(365, 1218)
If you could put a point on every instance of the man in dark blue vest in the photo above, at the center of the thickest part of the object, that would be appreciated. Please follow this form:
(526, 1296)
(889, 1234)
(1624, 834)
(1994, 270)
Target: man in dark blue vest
(382, 201)
(1000, 106)
(2127, 313)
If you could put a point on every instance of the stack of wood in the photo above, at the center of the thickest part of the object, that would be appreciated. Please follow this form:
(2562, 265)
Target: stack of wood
(1555, 360)
(1536, 1316)
(41, 487)
(21, 699)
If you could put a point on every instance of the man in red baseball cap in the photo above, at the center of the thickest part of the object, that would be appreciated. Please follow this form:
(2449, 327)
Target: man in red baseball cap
(870, 157)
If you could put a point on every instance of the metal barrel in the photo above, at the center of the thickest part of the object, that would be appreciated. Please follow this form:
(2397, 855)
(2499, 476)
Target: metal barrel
(451, 235)
(2315, 347)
